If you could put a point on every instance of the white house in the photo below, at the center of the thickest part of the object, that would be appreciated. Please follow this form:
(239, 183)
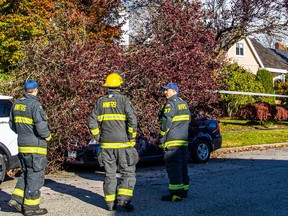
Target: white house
(251, 55)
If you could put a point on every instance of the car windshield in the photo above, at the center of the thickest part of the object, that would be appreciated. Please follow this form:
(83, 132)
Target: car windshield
(5, 106)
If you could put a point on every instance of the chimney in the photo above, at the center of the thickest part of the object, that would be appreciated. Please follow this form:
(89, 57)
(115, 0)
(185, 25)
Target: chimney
(279, 46)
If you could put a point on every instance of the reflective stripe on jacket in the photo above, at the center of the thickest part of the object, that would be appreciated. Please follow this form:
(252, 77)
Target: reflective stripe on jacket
(113, 121)
(175, 118)
(28, 120)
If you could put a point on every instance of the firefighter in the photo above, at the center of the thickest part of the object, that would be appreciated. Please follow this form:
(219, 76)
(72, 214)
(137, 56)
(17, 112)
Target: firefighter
(113, 123)
(175, 118)
(28, 120)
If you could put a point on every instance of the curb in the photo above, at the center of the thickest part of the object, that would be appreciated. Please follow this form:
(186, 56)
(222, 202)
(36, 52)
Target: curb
(220, 151)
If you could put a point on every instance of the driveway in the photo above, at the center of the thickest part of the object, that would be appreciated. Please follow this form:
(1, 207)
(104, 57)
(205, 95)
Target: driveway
(249, 183)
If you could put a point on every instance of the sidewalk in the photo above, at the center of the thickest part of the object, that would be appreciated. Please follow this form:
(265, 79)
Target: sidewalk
(220, 151)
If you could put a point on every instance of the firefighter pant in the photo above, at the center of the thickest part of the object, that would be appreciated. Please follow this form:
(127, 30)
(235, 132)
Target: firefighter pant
(27, 190)
(176, 161)
(124, 160)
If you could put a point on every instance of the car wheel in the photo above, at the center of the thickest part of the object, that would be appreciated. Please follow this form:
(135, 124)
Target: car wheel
(201, 152)
(2, 169)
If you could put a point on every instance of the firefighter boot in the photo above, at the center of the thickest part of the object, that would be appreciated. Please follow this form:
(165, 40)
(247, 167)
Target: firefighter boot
(125, 205)
(171, 198)
(15, 205)
(111, 206)
(184, 194)
(39, 211)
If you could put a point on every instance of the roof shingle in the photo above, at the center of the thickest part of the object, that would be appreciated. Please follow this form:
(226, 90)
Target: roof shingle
(269, 57)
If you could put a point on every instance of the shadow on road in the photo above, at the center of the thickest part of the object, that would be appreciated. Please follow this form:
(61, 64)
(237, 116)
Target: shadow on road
(88, 195)
(5, 197)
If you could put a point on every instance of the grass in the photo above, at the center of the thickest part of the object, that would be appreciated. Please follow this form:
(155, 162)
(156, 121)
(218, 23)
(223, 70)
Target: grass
(237, 133)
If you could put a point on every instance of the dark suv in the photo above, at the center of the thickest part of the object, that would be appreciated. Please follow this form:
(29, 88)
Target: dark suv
(204, 136)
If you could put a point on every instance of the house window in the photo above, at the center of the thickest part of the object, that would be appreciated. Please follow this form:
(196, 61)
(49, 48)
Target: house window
(240, 49)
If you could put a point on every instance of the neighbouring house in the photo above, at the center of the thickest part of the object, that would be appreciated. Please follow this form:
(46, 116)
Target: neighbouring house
(251, 55)
(280, 52)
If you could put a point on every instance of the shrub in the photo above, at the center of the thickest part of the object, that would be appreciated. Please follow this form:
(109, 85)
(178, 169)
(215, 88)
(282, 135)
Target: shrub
(281, 113)
(262, 111)
(282, 88)
(238, 79)
(266, 79)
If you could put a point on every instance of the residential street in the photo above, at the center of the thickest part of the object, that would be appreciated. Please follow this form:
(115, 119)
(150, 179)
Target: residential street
(252, 183)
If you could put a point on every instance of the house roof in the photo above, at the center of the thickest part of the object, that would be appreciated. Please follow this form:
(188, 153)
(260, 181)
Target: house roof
(283, 54)
(269, 58)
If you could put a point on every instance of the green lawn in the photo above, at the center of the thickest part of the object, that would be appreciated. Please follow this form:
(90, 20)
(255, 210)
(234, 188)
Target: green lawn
(236, 133)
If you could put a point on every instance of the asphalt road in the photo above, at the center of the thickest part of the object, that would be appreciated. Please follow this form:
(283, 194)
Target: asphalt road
(245, 183)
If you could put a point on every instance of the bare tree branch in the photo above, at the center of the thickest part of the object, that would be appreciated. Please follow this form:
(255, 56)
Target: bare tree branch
(236, 19)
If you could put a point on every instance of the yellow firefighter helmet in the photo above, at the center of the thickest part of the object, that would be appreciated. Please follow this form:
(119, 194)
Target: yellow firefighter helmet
(113, 80)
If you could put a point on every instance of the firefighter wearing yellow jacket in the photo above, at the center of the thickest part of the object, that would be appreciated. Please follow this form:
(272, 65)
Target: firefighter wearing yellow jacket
(175, 118)
(113, 123)
(28, 120)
